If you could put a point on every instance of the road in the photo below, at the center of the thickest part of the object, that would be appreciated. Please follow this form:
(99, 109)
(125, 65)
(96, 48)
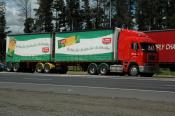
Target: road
(112, 86)
(83, 95)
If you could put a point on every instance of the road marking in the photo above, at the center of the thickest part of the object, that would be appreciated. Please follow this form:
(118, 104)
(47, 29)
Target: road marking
(90, 87)
(170, 85)
(40, 79)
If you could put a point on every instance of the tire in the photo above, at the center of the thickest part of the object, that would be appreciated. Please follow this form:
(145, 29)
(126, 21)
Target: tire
(103, 69)
(47, 68)
(39, 67)
(9, 67)
(92, 69)
(16, 67)
(63, 70)
(133, 70)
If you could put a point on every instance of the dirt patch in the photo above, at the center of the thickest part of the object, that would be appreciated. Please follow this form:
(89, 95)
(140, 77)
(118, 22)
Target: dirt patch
(28, 103)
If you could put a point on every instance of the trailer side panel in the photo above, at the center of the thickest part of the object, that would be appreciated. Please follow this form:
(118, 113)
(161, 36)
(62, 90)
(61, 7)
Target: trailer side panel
(88, 46)
(34, 47)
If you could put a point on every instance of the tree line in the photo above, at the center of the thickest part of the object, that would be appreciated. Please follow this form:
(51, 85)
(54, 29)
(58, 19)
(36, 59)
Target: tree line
(73, 15)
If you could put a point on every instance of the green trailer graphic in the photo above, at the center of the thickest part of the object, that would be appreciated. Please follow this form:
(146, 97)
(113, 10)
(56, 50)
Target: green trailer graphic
(28, 48)
(84, 46)
(69, 47)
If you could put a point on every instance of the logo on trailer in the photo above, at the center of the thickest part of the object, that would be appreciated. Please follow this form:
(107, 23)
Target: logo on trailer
(106, 40)
(45, 49)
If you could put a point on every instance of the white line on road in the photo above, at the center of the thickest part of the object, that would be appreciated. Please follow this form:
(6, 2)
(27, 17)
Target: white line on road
(40, 79)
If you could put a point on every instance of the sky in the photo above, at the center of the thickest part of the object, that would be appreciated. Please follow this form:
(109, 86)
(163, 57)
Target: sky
(13, 20)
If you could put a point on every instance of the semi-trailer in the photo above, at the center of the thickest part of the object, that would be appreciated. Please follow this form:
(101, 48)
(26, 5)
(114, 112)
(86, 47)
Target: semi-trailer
(97, 52)
(165, 43)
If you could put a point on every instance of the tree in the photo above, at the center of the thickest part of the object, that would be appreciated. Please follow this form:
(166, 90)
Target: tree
(87, 15)
(2, 31)
(123, 17)
(151, 15)
(2, 18)
(44, 16)
(73, 14)
(59, 11)
(29, 24)
(25, 14)
(170, 17)
(24, 8)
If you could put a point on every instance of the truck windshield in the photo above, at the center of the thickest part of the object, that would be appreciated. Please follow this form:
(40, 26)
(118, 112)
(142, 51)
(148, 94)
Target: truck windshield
(148, 47)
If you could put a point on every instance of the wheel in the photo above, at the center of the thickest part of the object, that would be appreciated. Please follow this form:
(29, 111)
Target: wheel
(103, 69)
(93, 69)
(62, 69)
(16, 67)
(40, 67)
(9, 67)
(146, 74)
(47, 68)
(133, 70)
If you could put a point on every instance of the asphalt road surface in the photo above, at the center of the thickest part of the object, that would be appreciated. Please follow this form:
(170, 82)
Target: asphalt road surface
(111, 86)
(33, 94)
(141, 83)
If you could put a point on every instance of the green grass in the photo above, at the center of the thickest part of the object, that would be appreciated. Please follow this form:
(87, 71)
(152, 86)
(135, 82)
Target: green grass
(166, 71)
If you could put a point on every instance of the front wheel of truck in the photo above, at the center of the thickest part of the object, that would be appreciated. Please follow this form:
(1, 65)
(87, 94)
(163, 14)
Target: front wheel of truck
(133, 70)
(93, 69)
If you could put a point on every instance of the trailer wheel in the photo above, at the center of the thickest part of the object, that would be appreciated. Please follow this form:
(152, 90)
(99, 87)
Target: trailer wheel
(40, 67)
(63, 69)
(93, 69)
(133, 70)
(16, 67)
(47, 68)
(103, 69)
(9, 67)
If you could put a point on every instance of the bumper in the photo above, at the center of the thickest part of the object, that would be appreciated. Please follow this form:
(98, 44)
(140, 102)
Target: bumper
(149, 69)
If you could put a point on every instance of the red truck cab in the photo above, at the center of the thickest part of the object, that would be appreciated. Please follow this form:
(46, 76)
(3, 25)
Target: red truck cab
(140, 55)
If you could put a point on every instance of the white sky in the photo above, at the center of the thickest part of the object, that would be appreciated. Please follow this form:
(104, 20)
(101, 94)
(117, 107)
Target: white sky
(14, 22)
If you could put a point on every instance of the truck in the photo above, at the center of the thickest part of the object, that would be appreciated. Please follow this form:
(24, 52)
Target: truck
(101, 52)
(165, 44)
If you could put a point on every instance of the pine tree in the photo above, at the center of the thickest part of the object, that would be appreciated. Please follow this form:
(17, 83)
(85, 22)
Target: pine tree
(87, 14)
(59, 10)
(73, 15)
(44, 16)
(124, 14)
(170, 16)
(29, 25)
(151, 14)
(2, 18)
(2, 31)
